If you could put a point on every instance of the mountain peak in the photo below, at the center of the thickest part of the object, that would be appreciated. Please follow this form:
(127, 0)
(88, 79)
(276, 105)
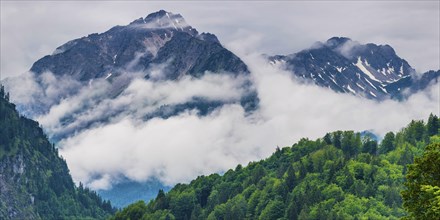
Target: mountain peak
(159, 14)
(163, 14)
(347, 66)
(164, 20)
(336, 41)
(155, 39)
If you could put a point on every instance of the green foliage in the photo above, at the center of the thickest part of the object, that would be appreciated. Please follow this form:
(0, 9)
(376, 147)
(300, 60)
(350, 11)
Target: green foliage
(273, 210)
(35, 180)
(133, 211)
(341, 176)
(422, 194)
(182, 204)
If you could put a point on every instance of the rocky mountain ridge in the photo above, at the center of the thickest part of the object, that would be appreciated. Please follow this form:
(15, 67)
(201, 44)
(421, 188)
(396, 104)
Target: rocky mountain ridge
(346, 66)
(161, 37)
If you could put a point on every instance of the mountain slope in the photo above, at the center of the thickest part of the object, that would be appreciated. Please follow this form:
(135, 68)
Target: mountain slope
(339, 176)
(34, 181)
(370, 70)
(401, 88)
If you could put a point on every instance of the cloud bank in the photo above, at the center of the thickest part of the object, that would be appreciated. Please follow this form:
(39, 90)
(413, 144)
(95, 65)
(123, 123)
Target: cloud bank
(181, 147)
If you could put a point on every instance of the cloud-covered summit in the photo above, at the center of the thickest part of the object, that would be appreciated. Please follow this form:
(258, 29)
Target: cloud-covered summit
(347, 66)
(159, 38)
(159, 47)
(164, 20)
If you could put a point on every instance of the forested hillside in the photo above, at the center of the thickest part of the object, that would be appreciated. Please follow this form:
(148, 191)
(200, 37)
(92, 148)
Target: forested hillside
(34, 180)
(341, 176)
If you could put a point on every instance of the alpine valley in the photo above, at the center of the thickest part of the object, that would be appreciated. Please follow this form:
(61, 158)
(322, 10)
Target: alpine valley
(159, 67)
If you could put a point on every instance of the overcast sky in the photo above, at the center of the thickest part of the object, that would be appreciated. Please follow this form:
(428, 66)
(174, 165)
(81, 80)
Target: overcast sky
(30, 30)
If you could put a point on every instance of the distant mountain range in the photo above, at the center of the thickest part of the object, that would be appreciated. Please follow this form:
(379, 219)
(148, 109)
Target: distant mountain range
(162, 47)
(346, 66)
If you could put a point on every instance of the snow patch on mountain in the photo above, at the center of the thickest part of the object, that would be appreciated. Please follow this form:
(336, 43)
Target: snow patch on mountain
(351, 90)
(161, 20)
(360, 65)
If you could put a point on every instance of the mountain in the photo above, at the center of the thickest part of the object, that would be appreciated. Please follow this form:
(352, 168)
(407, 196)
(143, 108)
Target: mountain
(34, 180)
(161, 37)
(400, 89)
(159, 48)
(339, 176)
(346, 66)
(90, 78)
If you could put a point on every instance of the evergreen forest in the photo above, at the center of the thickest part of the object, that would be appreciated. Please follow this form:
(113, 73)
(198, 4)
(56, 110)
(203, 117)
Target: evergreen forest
(35, 182)
(343, 175)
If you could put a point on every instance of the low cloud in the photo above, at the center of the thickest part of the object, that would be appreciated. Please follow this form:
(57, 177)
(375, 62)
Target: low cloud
(65, 106)
(173, 150)
(347, 48)
(179, 148)
(35, 94)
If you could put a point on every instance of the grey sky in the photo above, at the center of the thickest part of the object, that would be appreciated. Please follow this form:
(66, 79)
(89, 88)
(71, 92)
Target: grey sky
(30, 30)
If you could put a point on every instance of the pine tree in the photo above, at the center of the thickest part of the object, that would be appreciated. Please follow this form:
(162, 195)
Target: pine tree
(387, 144)
(328, 139)
(161, 201)
(290, 178)
(433, 125)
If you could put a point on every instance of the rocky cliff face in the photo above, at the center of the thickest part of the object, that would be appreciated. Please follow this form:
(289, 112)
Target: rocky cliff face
(14, 204)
